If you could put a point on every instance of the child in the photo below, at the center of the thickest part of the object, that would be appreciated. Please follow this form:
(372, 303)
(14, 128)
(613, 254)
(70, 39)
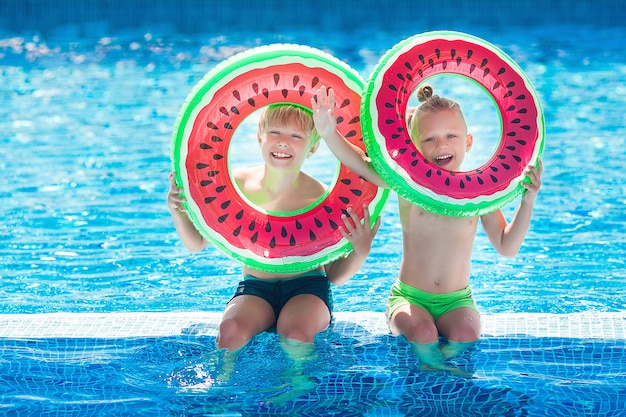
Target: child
(432, 296)
(298, 304)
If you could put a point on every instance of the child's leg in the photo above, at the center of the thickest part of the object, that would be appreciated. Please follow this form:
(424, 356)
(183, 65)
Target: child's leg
(244, 317)
(414, 323)
(461, 327)
(303, 317)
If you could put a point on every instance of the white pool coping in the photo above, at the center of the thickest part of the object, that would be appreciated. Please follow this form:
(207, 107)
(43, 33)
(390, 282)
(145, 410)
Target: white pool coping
(587, 325)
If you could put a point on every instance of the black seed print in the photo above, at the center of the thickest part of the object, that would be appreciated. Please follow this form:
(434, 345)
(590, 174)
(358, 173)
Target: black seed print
(209, 200)
(228, 126)
(462, 184)
(356, 192)
(315, 81)
(346, 181)
(211, 125)
(222, 218)
(333, 225)
(217, 157)
(298, 225)
(295, 80)
(254, 237)
(237, 231)
(225, 204)
(251, 102)
(480, 180)
(276, 78)
(284, 92)
(273, 242)
(201, 165)
(345, 103)
(220, 188)
(344, 200)
(429, 173)
(283, 232)
(234, 110)
(268, 227)
(204, 183)
(447, 182)
(255, 88)
(318, 222)
(494, 178)
(302, 90)
(292, 241)
(506, 166)
(223, 110)
(239, 215)
(312, 235)
(205, 146)
(252, 225)
(452, 53)
(216, 139)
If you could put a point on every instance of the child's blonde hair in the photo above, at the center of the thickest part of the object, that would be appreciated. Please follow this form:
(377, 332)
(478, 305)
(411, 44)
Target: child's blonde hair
(430, 103)
(289, 114)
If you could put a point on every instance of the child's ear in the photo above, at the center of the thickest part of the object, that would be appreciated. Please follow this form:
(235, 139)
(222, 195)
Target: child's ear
(258, 136)
(469, 142)
(313, 149)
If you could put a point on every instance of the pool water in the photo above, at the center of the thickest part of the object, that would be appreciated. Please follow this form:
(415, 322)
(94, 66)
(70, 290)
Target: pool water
(85, 147)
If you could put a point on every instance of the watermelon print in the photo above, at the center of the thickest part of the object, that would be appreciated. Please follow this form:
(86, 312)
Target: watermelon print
(400, 72)
(271, 242)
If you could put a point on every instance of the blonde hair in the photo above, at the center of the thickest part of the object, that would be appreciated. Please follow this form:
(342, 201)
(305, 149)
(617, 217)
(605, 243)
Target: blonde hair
(430, 103)
(289, 114)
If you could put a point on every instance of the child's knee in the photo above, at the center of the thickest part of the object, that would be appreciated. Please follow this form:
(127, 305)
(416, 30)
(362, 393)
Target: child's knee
(232, 334)
(421, 332)
(464, 334)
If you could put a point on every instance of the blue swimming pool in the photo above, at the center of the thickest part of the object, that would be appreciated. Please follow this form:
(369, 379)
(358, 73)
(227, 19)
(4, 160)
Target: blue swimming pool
(103, 312)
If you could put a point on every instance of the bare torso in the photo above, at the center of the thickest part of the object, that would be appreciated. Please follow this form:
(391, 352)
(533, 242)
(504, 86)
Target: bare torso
(437, 249)
(303, 192)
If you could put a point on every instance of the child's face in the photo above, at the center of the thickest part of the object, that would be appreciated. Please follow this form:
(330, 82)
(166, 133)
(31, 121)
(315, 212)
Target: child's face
(442, 138)
(285, 146)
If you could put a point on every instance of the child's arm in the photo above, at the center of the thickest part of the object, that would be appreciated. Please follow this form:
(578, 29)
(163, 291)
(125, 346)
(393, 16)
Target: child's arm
(361, 236)
(326, 125)
(189, 235)
(508, 238)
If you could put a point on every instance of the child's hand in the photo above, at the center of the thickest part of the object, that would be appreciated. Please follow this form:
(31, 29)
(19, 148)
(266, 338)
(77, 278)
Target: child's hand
(174, 199)
(323, 115)
(534, 185)
(357, 233)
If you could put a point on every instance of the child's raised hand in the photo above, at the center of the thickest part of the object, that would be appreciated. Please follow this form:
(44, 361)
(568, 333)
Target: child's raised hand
(174, 199)
(322, 105)
(534, 185)
(359, 234)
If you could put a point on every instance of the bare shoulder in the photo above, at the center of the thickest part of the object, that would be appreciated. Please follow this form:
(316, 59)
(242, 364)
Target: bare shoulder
(243, 176)
(312, 188)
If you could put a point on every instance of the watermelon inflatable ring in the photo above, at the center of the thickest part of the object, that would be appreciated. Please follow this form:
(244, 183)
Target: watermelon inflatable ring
(267, 241)
(399, 73)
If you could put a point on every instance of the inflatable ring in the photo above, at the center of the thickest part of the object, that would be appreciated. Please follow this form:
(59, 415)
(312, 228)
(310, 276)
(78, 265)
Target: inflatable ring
(395, 157)
(271, 242)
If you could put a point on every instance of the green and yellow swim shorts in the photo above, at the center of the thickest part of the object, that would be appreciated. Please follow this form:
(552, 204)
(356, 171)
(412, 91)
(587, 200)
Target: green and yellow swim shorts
(435, 304)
